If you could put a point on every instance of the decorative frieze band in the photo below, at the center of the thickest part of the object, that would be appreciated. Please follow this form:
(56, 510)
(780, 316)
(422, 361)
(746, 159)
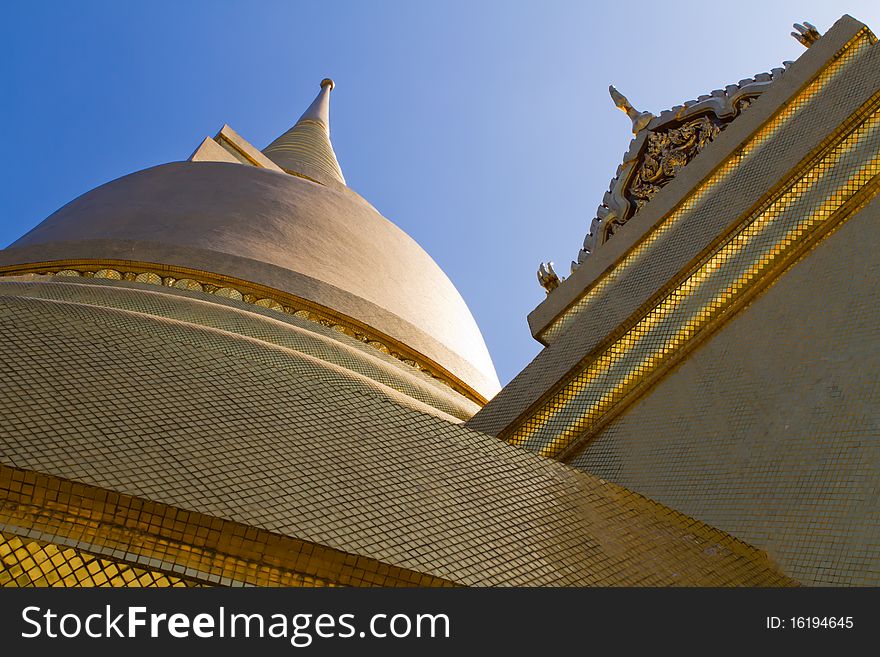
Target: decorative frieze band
(242, 293)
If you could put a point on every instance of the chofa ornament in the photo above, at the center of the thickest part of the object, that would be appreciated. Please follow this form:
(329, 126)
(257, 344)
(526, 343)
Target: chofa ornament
(547, 277)
(806, 34)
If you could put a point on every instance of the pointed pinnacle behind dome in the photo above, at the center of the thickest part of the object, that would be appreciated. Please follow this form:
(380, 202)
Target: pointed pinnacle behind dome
(305, 150)
(319, 110)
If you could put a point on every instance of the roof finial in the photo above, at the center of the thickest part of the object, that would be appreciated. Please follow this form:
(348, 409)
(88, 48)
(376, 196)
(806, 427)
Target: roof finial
(640, 120)
(305, 150)
(319, 110)
(548, 278)
(806, 34)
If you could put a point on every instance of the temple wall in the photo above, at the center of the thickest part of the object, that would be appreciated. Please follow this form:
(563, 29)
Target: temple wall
(770, 430)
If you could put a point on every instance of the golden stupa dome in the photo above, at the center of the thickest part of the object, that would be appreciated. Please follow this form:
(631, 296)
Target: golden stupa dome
(294, 231)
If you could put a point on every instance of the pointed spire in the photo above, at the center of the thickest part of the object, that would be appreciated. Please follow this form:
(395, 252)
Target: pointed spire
(319, 110)
(305, 149)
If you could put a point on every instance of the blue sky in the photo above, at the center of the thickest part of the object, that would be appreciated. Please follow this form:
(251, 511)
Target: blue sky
(483, 129)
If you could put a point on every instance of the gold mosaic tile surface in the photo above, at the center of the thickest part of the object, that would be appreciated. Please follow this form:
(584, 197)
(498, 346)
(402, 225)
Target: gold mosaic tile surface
(154, 537)
(297, 334)
(217, 424)
(769, 430)
(673, 383)
(256, 298)
(27, 563)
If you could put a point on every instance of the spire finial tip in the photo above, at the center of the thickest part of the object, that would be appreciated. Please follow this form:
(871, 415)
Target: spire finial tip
(327, 82)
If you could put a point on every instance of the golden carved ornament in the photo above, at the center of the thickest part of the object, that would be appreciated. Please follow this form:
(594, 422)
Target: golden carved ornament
(662, 146)
(666, 153)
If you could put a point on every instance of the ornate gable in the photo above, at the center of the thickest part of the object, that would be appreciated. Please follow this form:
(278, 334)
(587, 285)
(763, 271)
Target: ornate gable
(663, 146)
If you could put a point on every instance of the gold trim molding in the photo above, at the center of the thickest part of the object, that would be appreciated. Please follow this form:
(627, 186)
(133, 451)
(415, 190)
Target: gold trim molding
(185, 544)
(28, 562)
(194, 280)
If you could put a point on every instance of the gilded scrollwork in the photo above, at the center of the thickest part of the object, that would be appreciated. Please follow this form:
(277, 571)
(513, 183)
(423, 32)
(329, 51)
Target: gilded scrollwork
(666, 153)
(662, 147)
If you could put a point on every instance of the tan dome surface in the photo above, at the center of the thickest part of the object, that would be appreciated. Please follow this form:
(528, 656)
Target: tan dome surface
(325, 244)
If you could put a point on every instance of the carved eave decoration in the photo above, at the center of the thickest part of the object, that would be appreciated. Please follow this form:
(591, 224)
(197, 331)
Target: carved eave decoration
(664, 147)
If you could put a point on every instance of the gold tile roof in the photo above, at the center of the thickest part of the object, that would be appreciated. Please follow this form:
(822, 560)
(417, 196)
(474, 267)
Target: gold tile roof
(223, 422)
